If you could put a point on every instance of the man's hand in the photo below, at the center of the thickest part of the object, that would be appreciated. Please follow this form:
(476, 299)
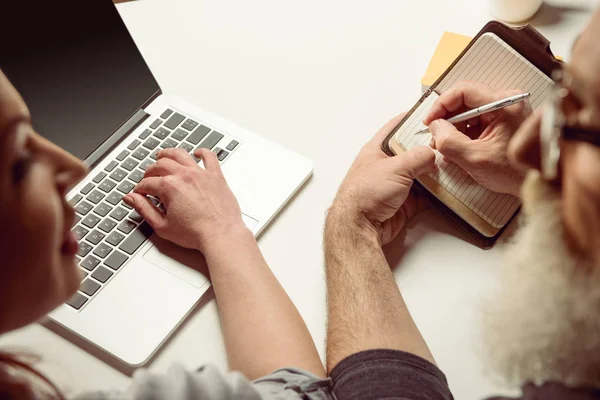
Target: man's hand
(376, 189)
(199, 206)
(479, 146)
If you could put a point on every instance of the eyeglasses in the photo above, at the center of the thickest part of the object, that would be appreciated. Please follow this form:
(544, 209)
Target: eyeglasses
(555, 127)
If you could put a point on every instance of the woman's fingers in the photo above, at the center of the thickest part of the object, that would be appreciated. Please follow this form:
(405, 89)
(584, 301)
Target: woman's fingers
(152, 186)
(146, 209)
(162, 167)
(211, 162)
(177, 154)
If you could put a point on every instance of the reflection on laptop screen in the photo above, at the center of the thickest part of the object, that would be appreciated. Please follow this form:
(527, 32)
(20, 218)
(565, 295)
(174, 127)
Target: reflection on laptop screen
(76, 66)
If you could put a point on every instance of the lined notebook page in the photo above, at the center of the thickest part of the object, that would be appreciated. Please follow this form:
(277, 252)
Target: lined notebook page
(492, 62)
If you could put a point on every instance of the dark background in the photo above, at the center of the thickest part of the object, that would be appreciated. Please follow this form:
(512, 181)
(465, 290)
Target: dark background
(76, 66)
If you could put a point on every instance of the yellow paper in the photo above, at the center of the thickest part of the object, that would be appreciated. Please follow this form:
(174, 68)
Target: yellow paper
(450, 46)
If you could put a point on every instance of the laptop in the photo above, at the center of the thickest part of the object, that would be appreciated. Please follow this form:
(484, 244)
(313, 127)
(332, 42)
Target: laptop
(90, 91)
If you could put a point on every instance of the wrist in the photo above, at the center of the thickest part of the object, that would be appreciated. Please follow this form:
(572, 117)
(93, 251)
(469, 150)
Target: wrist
(225, 240)
(345, 220)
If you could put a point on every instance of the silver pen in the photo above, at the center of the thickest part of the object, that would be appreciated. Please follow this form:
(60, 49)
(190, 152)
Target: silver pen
(496, 105)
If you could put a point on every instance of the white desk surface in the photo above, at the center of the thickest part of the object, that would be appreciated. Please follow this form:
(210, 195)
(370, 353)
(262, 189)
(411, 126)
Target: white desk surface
(319, 77)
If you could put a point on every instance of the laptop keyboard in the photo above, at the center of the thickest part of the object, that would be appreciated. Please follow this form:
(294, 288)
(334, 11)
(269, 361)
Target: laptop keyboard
(109, 231)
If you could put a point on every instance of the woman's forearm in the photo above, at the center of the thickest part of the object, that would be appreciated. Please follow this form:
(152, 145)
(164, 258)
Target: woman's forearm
(263, 329)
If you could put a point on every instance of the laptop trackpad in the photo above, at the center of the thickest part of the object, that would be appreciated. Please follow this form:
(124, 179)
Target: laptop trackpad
(186, 264)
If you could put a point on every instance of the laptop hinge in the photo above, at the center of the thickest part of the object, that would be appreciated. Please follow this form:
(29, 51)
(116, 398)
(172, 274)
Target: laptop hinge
(151, 99)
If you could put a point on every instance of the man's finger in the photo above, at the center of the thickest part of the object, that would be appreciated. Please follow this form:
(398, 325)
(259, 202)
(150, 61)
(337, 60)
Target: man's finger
(145, 208)
(209, 158)
(162, 167)
(466, 95)
(415, 162)
(524, 146)
(152, 186)
(452, 143)
(177, 154)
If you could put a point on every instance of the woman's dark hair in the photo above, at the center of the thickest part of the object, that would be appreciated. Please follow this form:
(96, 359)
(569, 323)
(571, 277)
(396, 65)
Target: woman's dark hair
(20, 381)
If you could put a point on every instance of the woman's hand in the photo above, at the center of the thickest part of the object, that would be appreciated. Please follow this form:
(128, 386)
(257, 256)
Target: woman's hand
(199, 205)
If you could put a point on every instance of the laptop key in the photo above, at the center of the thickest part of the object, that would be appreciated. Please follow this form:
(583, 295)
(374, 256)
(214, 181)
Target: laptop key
(127, 206)
(129, 164)
(126, 226)
(179, 134)
(134, 144)
(136, 238)
(222, 154)
(118, 174)
(145, 134)
(83, 208)
(168, 144)
(102, 209)
(90, 221)
(99, 177)
(189, 124)
(114, 238)
(232, 145)
(77, 219)
(118, 213)
(79, 232)
(114, 198)
(188, 147)
(107, 185)
(122, 155)
(87, 188)
(162, 133)
(102, 251)
(95, 197)
(95, 237)
(83, 249)
(155, 124)
(83, 275)
(111, 165)
(89, 263)
(151, 143)
(174, 120)
(198, 134)
(136, 176)
(166, 113)
(89, 287)
(115, 260)
(125, 187)
(102, 274)
(75, 199)
(77, 301)
(211, 140)
(154, 154)
(135, 217)
(145, 164)
(140, 153)
(107, 225)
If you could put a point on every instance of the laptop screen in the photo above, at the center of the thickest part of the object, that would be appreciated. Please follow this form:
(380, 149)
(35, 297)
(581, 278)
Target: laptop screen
(76, 66)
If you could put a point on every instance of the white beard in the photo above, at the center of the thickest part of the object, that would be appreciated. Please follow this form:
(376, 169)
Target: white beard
(542, 321)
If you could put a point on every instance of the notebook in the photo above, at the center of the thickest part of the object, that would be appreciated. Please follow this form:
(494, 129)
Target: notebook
(491, 60)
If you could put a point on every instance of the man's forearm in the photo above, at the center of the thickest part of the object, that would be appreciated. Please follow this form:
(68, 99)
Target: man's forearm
(263, 330)
(365, 308)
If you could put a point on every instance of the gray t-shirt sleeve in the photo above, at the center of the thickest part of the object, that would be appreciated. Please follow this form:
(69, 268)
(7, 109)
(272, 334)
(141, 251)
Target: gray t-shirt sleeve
(207, 383)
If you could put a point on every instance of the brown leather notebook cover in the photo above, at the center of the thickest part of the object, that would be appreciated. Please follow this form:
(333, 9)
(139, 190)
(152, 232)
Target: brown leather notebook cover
(535, 48)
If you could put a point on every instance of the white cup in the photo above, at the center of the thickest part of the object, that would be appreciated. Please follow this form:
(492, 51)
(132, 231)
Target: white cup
(514, 10)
